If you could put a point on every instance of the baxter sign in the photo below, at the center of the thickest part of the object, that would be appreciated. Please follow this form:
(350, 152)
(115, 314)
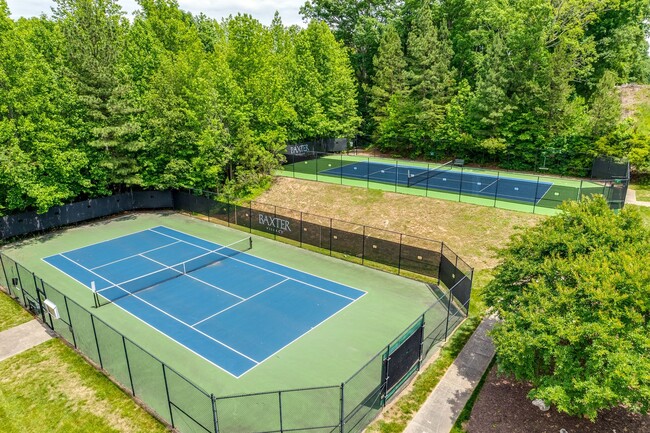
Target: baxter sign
(274, 224)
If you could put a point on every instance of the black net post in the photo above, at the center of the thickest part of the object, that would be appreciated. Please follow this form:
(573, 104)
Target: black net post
(341, 170)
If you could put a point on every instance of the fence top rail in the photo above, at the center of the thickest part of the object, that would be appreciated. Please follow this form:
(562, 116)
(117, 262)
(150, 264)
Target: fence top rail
(403, 235)
(405, 161)
(283, 391)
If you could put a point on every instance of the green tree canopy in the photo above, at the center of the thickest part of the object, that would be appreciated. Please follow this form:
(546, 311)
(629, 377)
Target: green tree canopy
(573, 294)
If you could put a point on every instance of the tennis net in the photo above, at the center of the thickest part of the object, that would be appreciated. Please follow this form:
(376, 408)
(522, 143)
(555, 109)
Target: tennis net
(428, 174)
(115, 292)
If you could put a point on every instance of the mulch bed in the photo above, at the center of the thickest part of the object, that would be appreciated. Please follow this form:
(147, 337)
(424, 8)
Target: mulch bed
(502, 406)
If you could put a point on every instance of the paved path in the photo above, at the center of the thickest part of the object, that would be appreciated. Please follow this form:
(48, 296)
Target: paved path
(448, 399)
(22, 337)
(630, 198)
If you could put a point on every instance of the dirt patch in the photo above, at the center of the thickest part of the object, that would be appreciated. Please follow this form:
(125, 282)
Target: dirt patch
(631, 96)
(502, 406)
(473, 232)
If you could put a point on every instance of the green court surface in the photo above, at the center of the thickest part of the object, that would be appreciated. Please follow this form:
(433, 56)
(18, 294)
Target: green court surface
(562, 188)
(327, 355)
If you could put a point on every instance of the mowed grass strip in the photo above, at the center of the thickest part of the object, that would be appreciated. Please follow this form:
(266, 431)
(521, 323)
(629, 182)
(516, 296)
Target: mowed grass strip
(642, 192)
(11, 313)
(50, 388)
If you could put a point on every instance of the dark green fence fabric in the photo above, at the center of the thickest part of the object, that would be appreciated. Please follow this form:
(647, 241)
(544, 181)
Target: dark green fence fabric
(347, 407)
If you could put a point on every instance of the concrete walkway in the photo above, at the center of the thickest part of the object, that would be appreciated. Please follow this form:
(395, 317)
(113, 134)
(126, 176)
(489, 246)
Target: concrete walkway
(22, 337)
(630, 198)
(448, 399)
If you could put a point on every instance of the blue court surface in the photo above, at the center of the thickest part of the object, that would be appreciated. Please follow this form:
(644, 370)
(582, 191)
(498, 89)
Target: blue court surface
(231, 308)
(447, 180)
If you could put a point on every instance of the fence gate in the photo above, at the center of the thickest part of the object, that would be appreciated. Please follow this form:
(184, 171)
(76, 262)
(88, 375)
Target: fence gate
(402, 359)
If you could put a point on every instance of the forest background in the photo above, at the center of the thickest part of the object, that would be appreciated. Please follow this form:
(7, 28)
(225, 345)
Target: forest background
(92, 102)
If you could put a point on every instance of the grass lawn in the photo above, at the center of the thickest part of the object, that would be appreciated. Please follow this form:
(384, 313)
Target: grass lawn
(642, 192)
(50, 388)
(473, 232)
(11, 314)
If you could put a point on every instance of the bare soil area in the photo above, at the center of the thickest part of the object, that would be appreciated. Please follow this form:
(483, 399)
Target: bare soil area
(473, 232)
(502, 406)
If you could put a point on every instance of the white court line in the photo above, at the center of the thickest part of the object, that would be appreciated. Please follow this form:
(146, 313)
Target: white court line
(381, 170)
(264, 269)
(166, 313)
(239, 303)
(107, 240)
(150, 325)
(543, 195)
(300, 336)
(134, 255)
(488, 186)
(194, 278)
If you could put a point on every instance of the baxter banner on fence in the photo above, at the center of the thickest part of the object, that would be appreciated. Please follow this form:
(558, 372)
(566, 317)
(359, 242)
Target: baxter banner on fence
(347, 407)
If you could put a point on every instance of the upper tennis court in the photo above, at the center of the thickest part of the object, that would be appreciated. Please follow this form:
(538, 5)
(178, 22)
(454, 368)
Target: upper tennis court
(444, 178)
(230, 308)
(526, 192)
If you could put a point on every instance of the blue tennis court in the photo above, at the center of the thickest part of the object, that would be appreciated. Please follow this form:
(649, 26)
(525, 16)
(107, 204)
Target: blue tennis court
(447, 180)
(229, 307)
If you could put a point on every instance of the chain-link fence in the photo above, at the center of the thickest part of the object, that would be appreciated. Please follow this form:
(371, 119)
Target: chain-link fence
(406, 255)
(345, 407)
(454, 181)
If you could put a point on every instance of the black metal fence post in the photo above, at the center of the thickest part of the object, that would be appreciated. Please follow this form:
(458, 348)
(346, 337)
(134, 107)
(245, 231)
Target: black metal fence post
(250, 217)
(280, 408)
(20, 283)
(363, 245)
(128, 365)
(99, 354)
(4, 272)
(74, 338)
(342, 403)
(399, 258)
(448, 311)
(214, 413)
(331, 236)
(169, 401)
